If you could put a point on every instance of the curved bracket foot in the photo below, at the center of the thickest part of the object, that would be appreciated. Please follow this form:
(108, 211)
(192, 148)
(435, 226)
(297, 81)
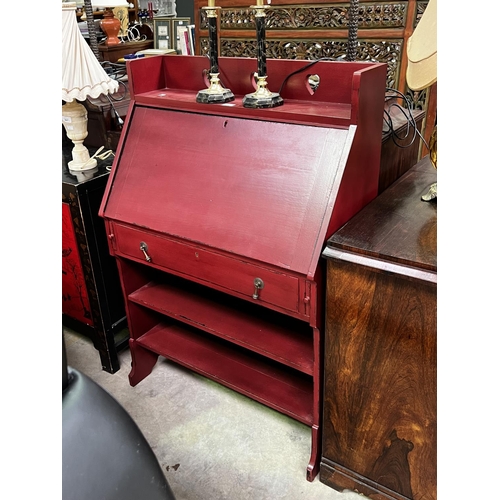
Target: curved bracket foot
(313, 466)
(143, 362)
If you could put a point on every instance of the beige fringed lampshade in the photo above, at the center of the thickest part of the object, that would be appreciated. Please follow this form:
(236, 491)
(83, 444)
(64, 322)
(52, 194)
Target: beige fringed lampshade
(422, 50)
(82, 76)
(422, 69)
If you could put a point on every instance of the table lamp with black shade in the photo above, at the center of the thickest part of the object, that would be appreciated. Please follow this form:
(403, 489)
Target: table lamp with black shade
(82, 76)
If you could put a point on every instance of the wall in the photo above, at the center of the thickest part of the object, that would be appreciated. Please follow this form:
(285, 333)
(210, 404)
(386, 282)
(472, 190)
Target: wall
(184, 8)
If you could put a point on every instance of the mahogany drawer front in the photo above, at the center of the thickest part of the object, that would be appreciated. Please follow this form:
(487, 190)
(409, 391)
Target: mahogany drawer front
(224, 271)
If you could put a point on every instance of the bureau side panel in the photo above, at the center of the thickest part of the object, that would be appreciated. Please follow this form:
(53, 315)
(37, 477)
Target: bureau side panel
(380, 383)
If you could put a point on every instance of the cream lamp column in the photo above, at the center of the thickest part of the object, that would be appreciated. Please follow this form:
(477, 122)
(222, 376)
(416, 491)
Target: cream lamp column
(82, 76)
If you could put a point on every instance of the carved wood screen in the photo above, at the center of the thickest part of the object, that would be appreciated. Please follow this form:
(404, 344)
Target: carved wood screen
(311, 29)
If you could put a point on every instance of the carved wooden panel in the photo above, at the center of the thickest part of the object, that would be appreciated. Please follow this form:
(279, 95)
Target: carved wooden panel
(387, 51)
(293, 17)
(319, 30)
(420, 10)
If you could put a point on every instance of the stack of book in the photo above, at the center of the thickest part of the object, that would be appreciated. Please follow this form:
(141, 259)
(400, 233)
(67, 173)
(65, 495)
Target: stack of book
(185, 39)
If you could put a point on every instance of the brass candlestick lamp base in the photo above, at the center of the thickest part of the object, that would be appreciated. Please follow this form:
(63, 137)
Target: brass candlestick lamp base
(215, 93)
(262, 97)
(431, 193)
(433, 189)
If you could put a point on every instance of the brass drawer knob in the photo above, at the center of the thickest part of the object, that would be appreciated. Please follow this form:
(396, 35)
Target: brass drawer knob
(259, 285)
(144, 248)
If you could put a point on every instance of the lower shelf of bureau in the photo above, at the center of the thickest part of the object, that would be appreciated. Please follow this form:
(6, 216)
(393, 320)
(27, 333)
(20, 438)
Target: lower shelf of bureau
(245, 372)
(271, 334)
(261, 353)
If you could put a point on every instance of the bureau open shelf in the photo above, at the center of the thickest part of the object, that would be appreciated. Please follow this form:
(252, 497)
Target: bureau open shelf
(276, 386)
(282, 339)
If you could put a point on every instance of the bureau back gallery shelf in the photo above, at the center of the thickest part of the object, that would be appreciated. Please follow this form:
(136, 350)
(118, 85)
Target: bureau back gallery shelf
(217, 216)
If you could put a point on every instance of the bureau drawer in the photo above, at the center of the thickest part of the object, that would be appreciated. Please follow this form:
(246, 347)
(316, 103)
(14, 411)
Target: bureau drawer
(231, 273)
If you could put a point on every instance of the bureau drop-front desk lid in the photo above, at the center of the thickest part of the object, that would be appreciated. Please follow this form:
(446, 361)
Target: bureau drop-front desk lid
(257, 189)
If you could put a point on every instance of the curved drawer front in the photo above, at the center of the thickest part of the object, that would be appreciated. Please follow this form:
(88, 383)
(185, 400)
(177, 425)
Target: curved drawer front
(273, 287)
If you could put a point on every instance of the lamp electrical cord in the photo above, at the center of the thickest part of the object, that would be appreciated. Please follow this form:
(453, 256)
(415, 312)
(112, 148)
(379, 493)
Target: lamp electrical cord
(103, 156)
(117, 72)
(410, 119)
(312, 63)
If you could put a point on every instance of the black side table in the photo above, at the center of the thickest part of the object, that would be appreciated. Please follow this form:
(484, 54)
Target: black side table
(92, 300)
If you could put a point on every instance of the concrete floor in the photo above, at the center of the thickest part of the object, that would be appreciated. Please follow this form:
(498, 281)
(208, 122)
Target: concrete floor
(211, 442)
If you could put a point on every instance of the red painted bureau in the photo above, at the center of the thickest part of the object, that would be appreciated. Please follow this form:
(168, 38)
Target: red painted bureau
(217, 215)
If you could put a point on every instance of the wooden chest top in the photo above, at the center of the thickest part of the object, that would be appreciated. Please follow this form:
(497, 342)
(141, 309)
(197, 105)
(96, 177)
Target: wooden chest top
(397, 227)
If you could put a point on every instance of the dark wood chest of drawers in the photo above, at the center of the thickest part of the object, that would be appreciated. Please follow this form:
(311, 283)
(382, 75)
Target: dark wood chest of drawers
(379, 416)
(217, 215)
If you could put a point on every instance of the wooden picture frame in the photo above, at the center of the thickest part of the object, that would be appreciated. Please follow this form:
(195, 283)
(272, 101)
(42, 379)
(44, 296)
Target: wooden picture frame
(176, 22)
(162, 31)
